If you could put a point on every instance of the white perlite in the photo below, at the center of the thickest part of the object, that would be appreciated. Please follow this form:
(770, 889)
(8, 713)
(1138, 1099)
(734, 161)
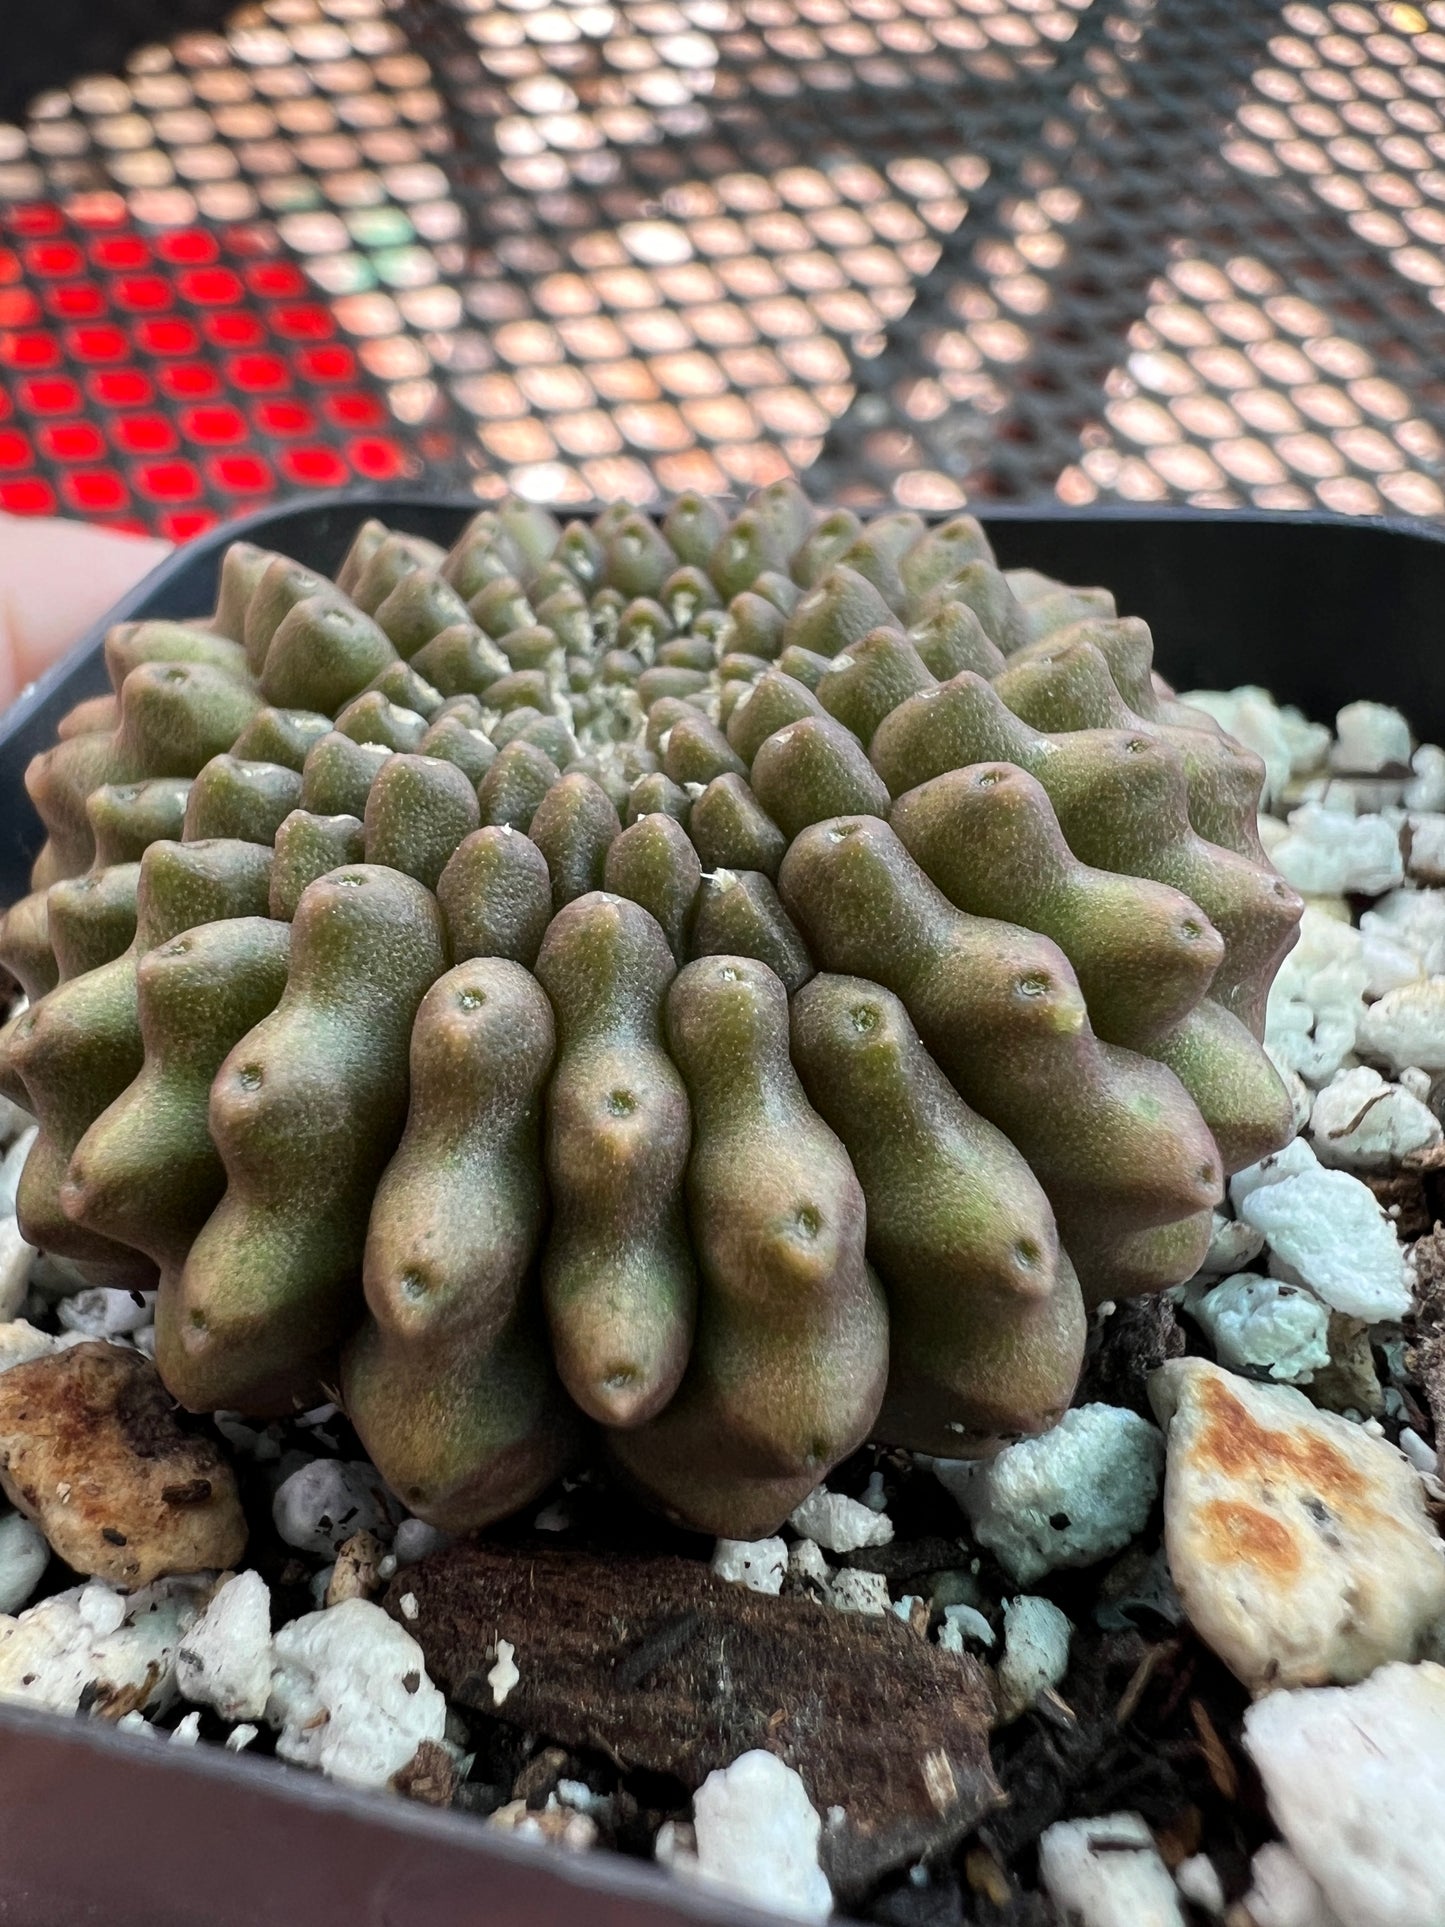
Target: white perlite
(21, 1341)
(840, 1524)
(96, 1640)
(225, 1659)
(16, 1258)
(855, 1591)
(104, 1312)
(1326, 1230)
(1355, 1778)
(1328, 852)
(1403, 938)
(757, 1837)
(504, 1674)
(1232, 1245)
(962, 1624)
(1371, 737)
(326, 1502)
(1108, 1873)
(1282, 1894)
(1069, 1498)
(24, 1556)
(1259, 1325)
(1036, 1637)
(1300, 1546)
(351, 1694)
(1361, 1123)
(1407, 1026)
(759, 1564)
(1281, 737)
(1317, 998)
(1197, 1878)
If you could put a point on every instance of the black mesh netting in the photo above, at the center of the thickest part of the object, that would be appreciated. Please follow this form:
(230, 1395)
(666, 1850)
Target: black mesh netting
(923, 250)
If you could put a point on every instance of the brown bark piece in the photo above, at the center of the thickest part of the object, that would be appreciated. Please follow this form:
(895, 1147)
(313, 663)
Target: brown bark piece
(90, 1450)
(660, 1664)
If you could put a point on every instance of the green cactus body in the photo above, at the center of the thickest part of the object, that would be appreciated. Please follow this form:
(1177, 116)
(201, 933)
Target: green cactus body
(986, 1324)
(306, 847)
(617, 1276)
(234, 797)
(146, 1173)
(662, 772)
(496, 895)
(1112, 1136)
(417, 812)
(448, 1380)
(791, 1354)
(988, 837)
(654, 863)
(92, 918)
(305, 1112)
(77, 1048)
(282, 736)
(339, 773)
(731, 829)
(574, 827)
(739, 913)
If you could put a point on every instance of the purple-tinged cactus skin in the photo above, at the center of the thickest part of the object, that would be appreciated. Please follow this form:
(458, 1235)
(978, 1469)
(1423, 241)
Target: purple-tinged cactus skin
(698, 992)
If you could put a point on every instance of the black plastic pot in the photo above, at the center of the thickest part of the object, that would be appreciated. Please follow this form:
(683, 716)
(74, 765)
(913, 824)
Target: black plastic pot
(100, 1826)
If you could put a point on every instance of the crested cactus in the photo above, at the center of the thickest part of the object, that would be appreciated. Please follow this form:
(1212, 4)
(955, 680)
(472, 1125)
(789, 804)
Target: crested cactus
(723, 990)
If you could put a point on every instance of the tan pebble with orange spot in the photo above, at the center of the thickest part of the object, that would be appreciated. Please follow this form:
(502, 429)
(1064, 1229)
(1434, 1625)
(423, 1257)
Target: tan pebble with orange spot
(1300, 1544)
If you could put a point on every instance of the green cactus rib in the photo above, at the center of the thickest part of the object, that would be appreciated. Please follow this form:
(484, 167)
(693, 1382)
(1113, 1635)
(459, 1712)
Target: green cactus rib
(705, 991)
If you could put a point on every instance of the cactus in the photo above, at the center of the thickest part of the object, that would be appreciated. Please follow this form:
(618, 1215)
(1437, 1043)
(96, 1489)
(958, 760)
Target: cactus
(708, 992)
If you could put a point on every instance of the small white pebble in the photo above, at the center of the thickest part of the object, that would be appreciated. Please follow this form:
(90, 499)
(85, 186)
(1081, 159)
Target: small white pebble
(875, 1493)
(240, 1737)
(1068, 1498)
(351, 1695)
(757, 1836)
(806, 1562)
(1407, 1026)
(386, 1566)
(962, 1624)
(16, 1259)
(104, 1312)
(1417, 1082)
(1370, 737)
(1329, 854)
(409, 1607)
(1326, 1230)
(840, 1524)
(415, 1540)
(1108, 1873)
(553, 1518)
(1361, 1123)
(1259, 1325)
(24, 1555)
(504, 1674)
(854, 1591)
(1197, 1878)
(225, 1658)
(1283, 1894)
(759, 1564)
(187, 1732)
(1232, 1244)
(1427, 789)
(327, 1501)
(1036, 1637)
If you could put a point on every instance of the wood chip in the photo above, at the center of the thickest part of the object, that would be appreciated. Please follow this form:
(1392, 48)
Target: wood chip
(660, 1664)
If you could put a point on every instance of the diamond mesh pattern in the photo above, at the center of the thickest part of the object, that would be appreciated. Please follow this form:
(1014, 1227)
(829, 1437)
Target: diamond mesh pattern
(919, 250)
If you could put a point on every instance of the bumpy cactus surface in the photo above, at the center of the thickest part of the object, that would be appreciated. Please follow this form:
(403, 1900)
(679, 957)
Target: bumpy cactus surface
(726, 990)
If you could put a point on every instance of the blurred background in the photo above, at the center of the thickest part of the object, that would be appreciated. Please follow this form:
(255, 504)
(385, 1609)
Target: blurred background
(917, 251)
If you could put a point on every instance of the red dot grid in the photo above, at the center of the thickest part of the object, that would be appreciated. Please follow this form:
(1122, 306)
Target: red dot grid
(162, 380)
